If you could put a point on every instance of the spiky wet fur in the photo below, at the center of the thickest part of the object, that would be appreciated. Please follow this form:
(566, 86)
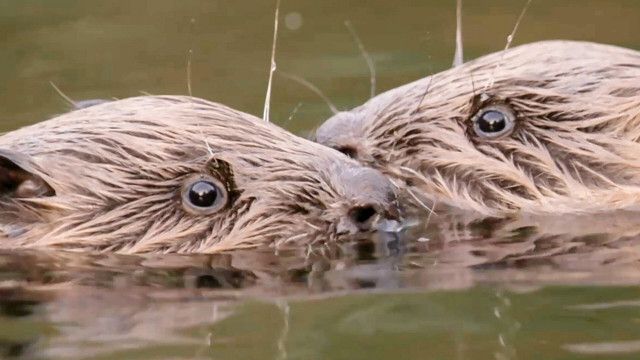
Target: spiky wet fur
(575, 147)
(118, 168)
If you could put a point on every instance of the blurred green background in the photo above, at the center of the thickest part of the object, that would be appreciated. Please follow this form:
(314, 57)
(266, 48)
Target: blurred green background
(105, 49)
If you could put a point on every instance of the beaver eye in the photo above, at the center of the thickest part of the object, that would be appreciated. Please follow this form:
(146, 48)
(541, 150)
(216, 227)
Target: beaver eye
(203, 196)
(493, 121)
(349, 151)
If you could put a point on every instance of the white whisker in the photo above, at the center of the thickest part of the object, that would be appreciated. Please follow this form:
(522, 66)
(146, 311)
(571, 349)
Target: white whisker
(473, 84)
(420, 202)
(508, 44)
(424, 95)
(312, 226)
(433, 207)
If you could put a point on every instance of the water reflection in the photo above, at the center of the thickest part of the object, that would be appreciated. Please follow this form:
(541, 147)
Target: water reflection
(566, 242)
(475, 285)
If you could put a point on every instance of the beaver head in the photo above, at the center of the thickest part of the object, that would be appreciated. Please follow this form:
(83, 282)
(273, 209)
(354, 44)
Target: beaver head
(178, 174)
(549, 127)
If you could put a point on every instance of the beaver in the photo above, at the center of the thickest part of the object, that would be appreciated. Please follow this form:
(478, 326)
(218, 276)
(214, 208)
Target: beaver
(179, 174)
(545, 128)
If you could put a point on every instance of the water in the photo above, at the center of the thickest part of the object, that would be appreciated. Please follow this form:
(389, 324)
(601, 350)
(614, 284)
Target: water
(554, 288)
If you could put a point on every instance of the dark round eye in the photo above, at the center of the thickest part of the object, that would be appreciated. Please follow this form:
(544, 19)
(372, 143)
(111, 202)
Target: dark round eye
(349, 151)
(203, 196)
(493, 121)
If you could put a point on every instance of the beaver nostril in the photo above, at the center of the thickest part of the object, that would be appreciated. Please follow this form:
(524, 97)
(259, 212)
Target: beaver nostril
(362, 215)
(370, 200)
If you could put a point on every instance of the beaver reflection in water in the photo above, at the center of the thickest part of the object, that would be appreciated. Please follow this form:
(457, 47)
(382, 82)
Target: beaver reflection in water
(178, 174)
(549, 127)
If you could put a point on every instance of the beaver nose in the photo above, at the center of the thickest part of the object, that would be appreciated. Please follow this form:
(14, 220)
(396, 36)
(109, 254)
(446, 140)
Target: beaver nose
(371, 200)
(361, 216)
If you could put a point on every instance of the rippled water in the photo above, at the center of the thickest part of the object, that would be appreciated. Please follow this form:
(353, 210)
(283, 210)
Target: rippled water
(455, 288)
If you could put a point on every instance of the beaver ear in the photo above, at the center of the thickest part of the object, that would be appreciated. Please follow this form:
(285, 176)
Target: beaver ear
(18, 178)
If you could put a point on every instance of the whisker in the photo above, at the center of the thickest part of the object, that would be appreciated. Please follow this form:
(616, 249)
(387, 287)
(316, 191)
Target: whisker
(473, 84)
(424, 95)
(312, 226)
(281, 242)
(206, 142)
(433, 206)
(420, 202)
(507, 45)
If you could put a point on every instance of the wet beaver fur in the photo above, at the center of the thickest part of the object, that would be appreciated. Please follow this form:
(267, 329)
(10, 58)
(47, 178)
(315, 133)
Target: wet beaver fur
(178, 174)
(548, 127)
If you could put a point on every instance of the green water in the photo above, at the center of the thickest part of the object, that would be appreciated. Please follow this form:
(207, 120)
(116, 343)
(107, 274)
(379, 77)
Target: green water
(552, 289)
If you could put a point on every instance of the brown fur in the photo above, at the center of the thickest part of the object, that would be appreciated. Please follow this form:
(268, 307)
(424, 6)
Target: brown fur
(575, 147)
(109, 177)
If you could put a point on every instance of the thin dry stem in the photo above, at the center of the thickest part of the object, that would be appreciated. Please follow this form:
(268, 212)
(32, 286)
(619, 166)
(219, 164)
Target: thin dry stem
(294, 111)
(272, 68)
(304, 82)
(189, 56)
(62, 95)
(365, 55)
(458, 57)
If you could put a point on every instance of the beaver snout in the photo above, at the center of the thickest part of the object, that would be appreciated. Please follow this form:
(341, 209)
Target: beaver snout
(372, 202)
